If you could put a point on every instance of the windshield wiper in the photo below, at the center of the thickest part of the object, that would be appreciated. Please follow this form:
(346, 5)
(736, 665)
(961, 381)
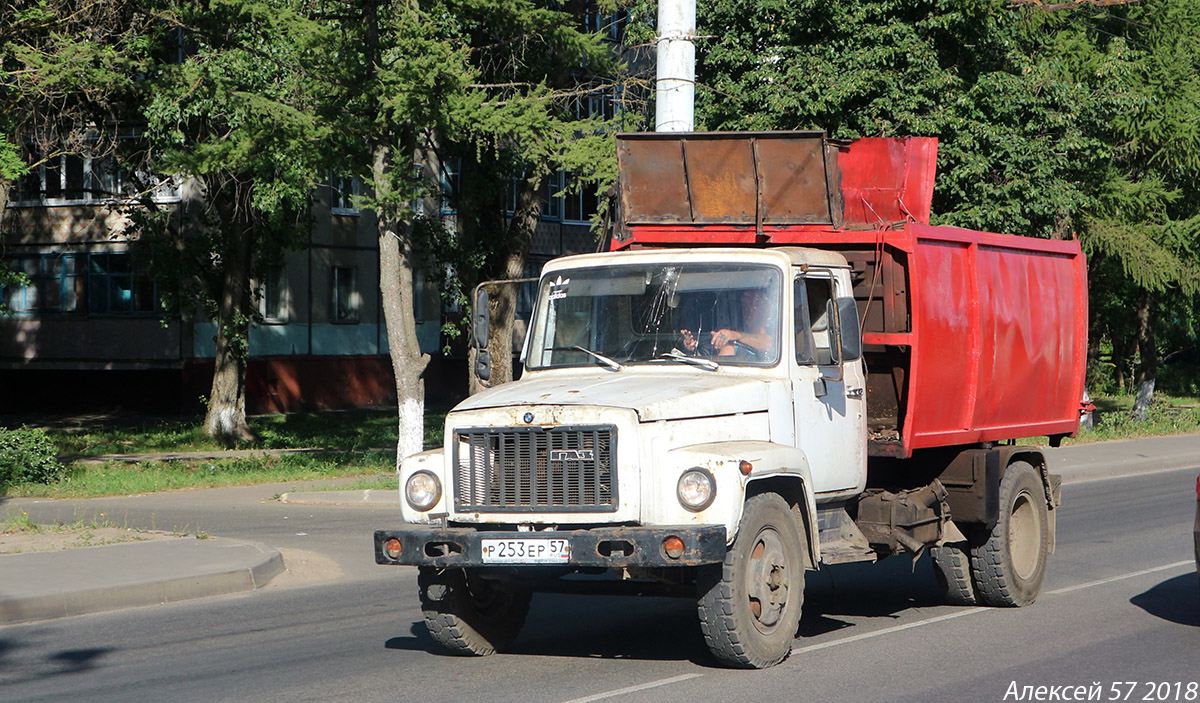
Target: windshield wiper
(610, 363)
(693, 360)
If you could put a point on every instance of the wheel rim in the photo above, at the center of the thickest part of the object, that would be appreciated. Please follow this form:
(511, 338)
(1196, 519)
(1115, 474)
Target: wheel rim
(767, 577)
(1024, 537)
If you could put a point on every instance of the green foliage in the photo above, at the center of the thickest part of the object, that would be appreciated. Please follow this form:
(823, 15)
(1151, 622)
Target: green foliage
(1163, 418)
(27, 456)
(12, 166)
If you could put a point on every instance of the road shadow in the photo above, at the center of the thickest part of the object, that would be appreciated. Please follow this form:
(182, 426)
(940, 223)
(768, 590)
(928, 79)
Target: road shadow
(1176, 600)
(667, 629)
(15, 668)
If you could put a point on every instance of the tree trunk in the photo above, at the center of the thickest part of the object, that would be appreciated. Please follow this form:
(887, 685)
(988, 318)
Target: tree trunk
(1148, 358)
(1123, 351)
(226, 415)
(396, 289)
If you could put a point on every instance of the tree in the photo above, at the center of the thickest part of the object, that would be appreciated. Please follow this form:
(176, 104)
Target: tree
(238, 117)
(528, 117)
(1143, 232)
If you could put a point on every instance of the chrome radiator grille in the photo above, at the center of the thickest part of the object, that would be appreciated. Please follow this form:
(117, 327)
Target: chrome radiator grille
(532, 469)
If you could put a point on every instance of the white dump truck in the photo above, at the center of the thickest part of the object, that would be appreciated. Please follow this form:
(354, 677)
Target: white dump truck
(780, 366)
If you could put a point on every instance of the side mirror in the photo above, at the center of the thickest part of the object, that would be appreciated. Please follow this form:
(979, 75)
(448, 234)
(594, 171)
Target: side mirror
(483, 365)
(849, 339)
(481, 318)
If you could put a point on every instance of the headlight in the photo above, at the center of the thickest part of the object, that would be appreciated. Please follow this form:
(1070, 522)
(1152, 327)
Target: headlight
(423, 490)
(696, 489)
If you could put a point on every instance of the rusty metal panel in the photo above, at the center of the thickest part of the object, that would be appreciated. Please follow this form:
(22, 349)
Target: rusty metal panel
(746, 178)
(720, 175)
(653, 183)
(793, 180)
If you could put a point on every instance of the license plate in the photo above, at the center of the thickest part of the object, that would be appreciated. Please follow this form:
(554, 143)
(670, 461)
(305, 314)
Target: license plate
(526, 550)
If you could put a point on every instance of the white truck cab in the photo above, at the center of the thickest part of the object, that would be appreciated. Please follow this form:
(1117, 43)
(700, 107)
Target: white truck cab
(663, 389)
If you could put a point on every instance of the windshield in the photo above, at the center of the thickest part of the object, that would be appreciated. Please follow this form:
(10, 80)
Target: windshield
(639, 313)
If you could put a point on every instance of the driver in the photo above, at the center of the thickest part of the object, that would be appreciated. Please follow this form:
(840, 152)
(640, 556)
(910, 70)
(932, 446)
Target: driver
(755, 309)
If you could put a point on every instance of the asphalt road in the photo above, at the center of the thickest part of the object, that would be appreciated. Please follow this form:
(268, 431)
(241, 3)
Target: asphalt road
(1121, 604)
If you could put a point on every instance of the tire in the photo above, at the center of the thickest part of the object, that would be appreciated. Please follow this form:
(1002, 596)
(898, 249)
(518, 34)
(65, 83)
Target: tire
(952, 567)
(750, 605)
(470, 616)
(1009, 567)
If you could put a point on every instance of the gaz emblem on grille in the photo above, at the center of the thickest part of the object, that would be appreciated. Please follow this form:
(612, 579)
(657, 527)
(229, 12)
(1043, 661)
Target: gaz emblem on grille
(572, 455)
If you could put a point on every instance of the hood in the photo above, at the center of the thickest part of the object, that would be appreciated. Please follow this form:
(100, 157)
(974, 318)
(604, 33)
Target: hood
(654, 396)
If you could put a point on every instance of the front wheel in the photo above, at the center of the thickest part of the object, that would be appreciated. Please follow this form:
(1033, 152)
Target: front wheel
(469, 615)
(749, 606)
(1009, 567)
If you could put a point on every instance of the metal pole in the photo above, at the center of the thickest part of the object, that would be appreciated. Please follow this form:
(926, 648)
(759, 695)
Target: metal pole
(676, 73)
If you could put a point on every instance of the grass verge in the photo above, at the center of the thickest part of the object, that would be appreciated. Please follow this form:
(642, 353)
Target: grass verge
(1113, 419)
(20, 535)
(349, 431)
(123, 478)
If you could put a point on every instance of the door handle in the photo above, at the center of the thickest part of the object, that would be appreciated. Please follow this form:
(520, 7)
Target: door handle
(854, 392)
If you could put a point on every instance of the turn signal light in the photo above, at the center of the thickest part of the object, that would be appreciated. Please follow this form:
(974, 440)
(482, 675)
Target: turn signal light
(745, 467)
(393, 548)
(673, 546)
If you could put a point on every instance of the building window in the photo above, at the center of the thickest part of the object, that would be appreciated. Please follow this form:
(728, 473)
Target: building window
(552, 199)
(342, 193)
(272, 301)
(451, 181)
(118, 284)
(579, 200)
(610, 25)
(346, 299)
(600, 102)
(55, 284)
(100, 284)
(68, 179)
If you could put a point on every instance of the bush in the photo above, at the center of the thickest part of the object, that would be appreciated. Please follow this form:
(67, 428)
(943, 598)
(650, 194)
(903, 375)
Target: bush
(28, 456)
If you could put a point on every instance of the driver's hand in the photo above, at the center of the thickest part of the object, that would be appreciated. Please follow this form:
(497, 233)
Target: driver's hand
(689, 341)
(720, 338)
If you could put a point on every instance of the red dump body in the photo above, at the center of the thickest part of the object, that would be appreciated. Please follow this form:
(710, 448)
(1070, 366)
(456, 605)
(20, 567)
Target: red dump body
(968, 336)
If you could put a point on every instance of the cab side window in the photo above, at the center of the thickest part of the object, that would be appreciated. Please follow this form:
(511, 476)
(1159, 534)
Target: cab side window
(813, 341)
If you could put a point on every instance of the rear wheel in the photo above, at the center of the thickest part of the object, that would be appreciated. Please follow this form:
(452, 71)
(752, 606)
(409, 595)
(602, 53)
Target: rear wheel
(1010, 565)
(468, 615)
(750, 606)
(952, 567)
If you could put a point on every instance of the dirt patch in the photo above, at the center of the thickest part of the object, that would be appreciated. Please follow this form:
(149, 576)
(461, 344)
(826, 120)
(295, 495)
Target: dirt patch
(304, 568)
(49, 539)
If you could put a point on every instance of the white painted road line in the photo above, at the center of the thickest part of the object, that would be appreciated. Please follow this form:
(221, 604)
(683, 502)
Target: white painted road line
(635, 689)
(890, 630)
(885, 631)
(1122, 577)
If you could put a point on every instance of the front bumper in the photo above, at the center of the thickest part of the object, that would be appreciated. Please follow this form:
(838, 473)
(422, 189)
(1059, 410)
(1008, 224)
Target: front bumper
(600, 546)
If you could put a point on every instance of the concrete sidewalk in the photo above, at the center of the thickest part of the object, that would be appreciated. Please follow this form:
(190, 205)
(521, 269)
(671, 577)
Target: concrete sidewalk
(45, 585)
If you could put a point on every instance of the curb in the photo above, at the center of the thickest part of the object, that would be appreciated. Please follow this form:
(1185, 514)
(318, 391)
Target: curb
(141, 574)
(371, 496)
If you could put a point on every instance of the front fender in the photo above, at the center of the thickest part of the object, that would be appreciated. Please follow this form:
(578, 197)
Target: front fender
(785, 467)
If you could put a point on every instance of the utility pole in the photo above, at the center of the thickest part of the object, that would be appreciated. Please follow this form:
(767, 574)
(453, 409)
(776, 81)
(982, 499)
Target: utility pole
(676, 72)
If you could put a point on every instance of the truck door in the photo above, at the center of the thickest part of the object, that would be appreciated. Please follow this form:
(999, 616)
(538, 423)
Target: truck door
(830, 400)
